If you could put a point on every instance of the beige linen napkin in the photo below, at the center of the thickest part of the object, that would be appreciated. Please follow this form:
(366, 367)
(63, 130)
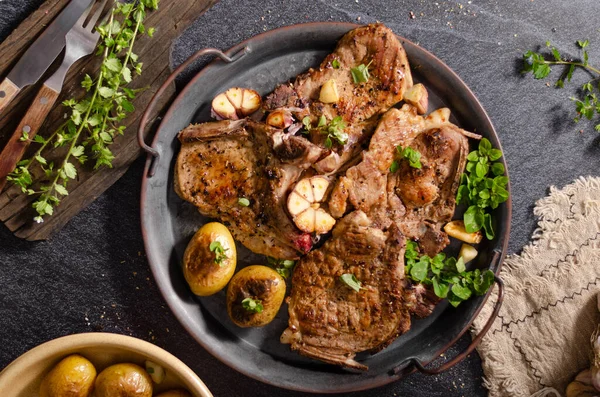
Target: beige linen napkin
(541, 336)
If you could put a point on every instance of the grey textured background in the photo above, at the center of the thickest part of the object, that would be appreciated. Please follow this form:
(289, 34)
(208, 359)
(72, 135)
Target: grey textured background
(93, 275)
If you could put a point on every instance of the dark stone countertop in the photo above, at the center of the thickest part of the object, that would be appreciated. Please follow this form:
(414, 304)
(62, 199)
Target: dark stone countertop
(93, 275)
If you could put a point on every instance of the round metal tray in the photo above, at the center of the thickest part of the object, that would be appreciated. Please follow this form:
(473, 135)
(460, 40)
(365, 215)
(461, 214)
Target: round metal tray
(168, 222)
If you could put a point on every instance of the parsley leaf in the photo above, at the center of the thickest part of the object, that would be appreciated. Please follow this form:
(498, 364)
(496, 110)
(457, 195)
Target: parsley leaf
(447, 276)
(351, 281)
(413, 156)
(360, 74)
(244, 202)
(283, 266)
(219, 251)
(252, 305)
(335, 64)
(483, 187)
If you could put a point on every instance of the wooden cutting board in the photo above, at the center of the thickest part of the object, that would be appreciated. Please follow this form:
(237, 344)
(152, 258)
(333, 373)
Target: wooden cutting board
(16, 212)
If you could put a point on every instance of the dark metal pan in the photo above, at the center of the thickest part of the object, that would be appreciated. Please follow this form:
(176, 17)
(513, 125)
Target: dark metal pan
(168, 223)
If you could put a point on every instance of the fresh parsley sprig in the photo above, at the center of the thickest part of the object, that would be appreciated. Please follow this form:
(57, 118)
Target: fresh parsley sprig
(334, 129)
(93, 122)
(351, 281)
(447, 275)
(219, 252)
(253, 305)
(483, 187)
(413, 156)
(360, 74)
(283, 266)
(540, 66)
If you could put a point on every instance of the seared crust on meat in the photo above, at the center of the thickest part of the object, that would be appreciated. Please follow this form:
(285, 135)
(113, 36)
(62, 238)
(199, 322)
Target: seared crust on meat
(329, 320)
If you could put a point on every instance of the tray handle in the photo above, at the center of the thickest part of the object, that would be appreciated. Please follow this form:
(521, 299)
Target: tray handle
(149, 109)
(414, 362)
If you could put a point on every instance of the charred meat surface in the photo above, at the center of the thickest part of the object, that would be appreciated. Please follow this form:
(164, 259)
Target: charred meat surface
(329, 320)
(223, 161)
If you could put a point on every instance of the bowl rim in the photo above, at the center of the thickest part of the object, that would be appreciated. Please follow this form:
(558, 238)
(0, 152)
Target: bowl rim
(71, 343)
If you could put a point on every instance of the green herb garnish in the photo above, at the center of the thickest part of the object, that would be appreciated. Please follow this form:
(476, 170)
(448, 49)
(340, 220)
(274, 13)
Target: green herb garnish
(219, 251)
(335, 64)
(283, 266)
(412, 155)
(360, 74)
(93, 121)
(244, 202)
(448, 276)
(351, 281)
(252, 305)
(589, 104)
(334, 130)
(483, 186)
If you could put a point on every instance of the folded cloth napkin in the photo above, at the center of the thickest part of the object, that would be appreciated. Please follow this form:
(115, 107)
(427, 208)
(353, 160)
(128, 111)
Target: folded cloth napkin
(541, 338)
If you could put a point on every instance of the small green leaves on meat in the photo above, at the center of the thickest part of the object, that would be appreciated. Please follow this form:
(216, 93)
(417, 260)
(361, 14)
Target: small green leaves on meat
(540, 65)
(283, 266)
(448, 276)
(252, 305)
(335, 64)
(351, 281)
(483, 187)
(360, 74)
(244, 202)
(219, 251)
(412, 155)
(334, 131)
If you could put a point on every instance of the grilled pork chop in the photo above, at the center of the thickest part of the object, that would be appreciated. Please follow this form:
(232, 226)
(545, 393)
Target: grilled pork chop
(360, 103)
(221, 162)
(329, 320)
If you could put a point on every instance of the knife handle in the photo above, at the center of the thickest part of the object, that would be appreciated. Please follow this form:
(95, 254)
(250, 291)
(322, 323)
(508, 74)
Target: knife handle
(31, 123)
(8, 90)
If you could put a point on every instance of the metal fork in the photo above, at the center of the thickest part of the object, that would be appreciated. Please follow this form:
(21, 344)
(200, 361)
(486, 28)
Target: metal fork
(81, 40)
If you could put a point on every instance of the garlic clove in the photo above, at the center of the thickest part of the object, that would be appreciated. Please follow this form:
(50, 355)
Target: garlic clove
(304, 188)
(323, 221)
(578, 389)
(280, 119)
(251, 102)
(467, 252)
(306, 220)
(439, 116)
(235, 96)
(329, 92)
(296, 204)
(319, 187)
(418, 97)
(457, 230)
(223, 108)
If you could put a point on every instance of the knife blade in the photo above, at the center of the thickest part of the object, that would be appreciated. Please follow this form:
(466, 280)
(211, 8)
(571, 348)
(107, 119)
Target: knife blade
(42, 53)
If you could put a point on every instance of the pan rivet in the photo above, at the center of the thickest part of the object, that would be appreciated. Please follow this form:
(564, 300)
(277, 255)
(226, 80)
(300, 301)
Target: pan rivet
(2, 94)
(43, 100)
(27, 128)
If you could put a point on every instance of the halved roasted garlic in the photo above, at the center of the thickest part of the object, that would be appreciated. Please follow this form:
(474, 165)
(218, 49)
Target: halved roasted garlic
(304, 205)
(280, 118)
(236, 103)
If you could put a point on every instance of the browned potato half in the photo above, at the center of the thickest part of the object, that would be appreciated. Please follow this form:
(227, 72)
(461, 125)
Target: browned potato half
(175, 393)
(123, 380)
(254, 296)
(209, 260)
(73, 376)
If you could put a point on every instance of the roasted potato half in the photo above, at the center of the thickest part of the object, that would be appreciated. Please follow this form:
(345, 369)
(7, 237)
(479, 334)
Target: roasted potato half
(73, 376)
(209, 260)
(123, 380)
(254, 296)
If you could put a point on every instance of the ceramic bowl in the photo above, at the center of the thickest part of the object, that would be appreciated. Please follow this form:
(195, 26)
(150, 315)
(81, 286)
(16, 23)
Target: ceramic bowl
(23, 376)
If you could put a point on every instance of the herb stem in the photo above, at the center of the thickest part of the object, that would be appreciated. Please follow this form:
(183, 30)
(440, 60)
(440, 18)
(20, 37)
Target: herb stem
(576, 64)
